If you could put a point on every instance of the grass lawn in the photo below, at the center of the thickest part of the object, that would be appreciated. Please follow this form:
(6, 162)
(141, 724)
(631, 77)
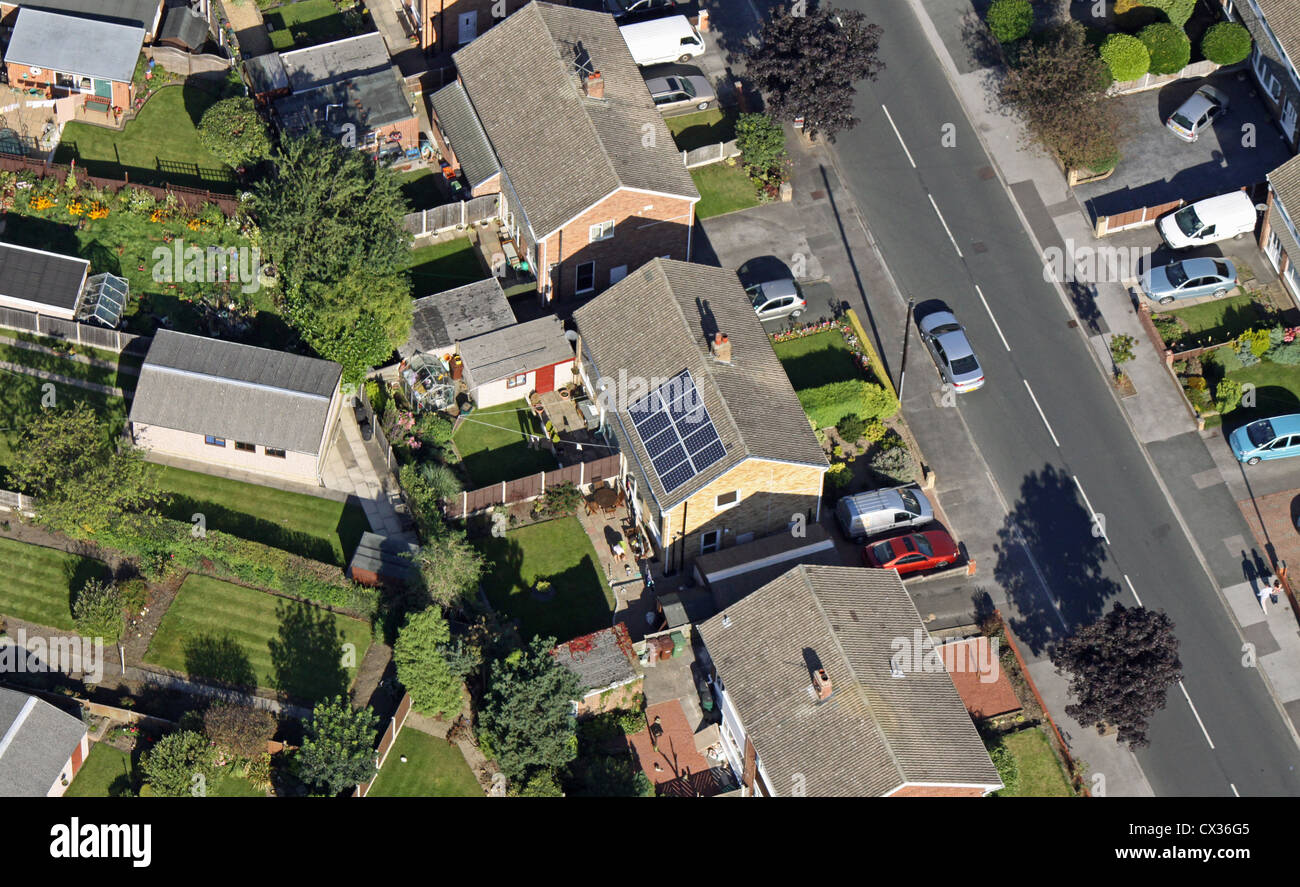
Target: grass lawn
(312, 21)
(160, 145)
(86, 372)
(40, 582)
(561, 552)
(443, 266)
(1277, 392)
(691, 131)
(723, 189)
(1041, 775)
(419, 187)
(321, 529)
(434, 768)
(1214, 321)
(816, 360)
(106, 771)
(242, 637)
(492, 444)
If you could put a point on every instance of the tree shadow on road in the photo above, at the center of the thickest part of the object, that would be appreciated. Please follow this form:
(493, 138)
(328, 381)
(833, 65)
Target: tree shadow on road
(1064, 563)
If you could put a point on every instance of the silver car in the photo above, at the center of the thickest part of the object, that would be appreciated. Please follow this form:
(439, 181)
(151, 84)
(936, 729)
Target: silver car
(681, 92)
(1197, 113)
(776, 299)
(946, 340)
(1189, 279)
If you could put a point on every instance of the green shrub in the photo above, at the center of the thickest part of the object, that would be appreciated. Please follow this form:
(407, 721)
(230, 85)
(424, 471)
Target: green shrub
(1226, 43)
(1168, 46)
(761, 142)
(1287, 354)
(851, 428)
(433, 429)
(1106, 158)
(1257, 340)
(894, 464)
(441, 480)
(1178, 11)
(1167, 327)
(1228, 396)
(1126, 56)
(1008, 767)
(875, 431)
(839, 475)
(827, 405)
(1010, 20)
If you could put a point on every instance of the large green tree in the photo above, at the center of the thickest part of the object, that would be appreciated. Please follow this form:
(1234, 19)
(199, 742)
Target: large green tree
(357, 320)
(69, 461)
(422, 666)
(338, 751)
(448, 568)
(525, 717)
(233, 131)
(180, 765)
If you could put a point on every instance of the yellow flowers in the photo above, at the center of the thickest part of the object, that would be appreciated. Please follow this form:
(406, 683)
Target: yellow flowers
(76, 208)
(42, 202)
(194, 224)
(158, 215)
(97, 211)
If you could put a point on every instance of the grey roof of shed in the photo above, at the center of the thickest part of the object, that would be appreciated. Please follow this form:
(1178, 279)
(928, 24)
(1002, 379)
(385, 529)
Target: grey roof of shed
(72, 44)
(441, 320)
(36, 740)
(384, 556)
(266, 73)
(132, 12)
(315, 66)
(184, 26)
(46, 278)
(237, 392)
(656, 322)
(516, 349)
(604, 664)
(562, 151)
(478, 162)
(875, 732)
(367, 101)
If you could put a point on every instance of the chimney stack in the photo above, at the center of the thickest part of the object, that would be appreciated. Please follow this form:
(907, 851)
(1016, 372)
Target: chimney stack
(822, 684)
(594, 85)
(721, 348)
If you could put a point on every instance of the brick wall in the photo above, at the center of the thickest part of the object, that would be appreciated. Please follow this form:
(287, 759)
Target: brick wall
(440, 30)
(938, 791)
(600, 701)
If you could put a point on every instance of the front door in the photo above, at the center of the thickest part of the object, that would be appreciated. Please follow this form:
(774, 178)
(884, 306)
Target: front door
(1289, 119)
(467, 27)
(545, 379)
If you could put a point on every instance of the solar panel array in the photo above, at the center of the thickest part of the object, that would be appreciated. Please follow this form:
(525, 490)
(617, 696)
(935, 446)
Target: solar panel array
(676, 430)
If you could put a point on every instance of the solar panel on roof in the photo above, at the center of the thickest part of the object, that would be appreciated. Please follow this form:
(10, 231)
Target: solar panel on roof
(676, 430)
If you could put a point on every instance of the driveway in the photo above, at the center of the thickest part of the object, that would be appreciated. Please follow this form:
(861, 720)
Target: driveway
(1158, 167)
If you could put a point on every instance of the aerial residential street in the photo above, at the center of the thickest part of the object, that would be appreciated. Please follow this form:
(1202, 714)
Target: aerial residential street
(1054, 439)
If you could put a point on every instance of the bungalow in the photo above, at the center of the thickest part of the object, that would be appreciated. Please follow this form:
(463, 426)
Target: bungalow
(717, 450)
(1275, 27)
(53, 52)
(817, 698)
(1279, 237)
(223, 405)
(506, 364)
(55, 285)
(41, 747)
(147, 14)
(551, 112)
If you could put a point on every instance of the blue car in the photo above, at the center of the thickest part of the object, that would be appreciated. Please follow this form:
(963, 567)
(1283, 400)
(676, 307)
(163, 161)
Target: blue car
(1275, 438)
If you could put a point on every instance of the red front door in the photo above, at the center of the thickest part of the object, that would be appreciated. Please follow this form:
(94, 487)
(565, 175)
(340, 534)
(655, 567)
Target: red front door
(546, 379)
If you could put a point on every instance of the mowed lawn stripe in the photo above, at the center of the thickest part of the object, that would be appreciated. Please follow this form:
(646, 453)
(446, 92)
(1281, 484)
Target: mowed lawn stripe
(39, 582)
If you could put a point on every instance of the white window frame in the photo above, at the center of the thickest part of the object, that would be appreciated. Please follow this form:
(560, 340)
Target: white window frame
(720, 506)
(578, 272)
(600, 231)
(717, 544)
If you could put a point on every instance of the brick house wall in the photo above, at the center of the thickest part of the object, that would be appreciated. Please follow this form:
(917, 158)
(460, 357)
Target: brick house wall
(440, 30)
(300, 467)
(938, 791)
(646, 225)
(17, 72)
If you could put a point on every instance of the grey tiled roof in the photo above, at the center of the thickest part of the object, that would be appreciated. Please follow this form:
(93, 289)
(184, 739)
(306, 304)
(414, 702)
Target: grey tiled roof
(1285, 181)
(47, 278)
(36, 740)
(367, 101)
(655, 322)
(266, 73)
(439, 321)
(516, 349)
(565, 152)
(461, 125)
(330, 62)
(1283, 18)
(237, 392)
(74, 45)
(876, 732)
(605, 663)
(133, 12)
(185, 26)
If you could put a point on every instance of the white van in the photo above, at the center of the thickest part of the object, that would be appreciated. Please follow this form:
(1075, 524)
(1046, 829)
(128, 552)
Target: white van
(879, 511)
(671, 39)
(1209, 220)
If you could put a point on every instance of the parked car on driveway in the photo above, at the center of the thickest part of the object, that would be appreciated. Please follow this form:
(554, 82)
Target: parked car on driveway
(681, 92)
(1189, 279)
(627, 12)
(946, 341)
(913, 553)
(1197, 113)
(1276, 438)
(776, 299)
(1209, 221)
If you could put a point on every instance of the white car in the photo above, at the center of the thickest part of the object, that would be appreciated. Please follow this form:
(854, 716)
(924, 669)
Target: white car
(1197, 113)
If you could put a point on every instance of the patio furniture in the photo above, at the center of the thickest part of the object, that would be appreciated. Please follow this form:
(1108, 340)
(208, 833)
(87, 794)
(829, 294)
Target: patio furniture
(511, 254)
(608, 499)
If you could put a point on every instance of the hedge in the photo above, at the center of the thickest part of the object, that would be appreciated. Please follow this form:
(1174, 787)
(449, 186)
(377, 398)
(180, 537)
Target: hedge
(827, 405)
(1226, 43)
(1169, 48)
(1126, 56)
(1010, 20)
(864, 342)
(1178, 11)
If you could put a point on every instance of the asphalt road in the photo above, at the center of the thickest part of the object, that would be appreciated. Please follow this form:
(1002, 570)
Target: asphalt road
(1055, 441)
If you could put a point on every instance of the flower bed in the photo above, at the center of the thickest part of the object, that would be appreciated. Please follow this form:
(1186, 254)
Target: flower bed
(842, 326)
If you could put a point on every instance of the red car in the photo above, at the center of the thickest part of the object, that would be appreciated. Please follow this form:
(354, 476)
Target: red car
(912, 553)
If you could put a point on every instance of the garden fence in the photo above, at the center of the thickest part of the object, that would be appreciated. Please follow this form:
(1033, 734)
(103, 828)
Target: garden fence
(1155, 81)
(17, 502)
(530, 487)
(386, 742)
(191, 198)
(1134, 218)
(67, 330)
(707, 154)
(463, 213)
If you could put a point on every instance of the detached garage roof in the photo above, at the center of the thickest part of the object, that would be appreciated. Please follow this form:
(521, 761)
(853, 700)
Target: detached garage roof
(516, 349)
(33, 279)
(439, 321)
(36, 741)
(237, 392)
(73, 45)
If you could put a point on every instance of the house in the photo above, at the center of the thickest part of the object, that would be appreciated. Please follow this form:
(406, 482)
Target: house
(41, 747)
(348, 87)
(551, 113)
(52, 52)
(55, 285)
(222, 405)
(1279, 236)
(820, 695)
(506, 364)
(608, 675)
(717, 449)
(1275, 27)
(443, 25)
(441, 320)
(146, 14)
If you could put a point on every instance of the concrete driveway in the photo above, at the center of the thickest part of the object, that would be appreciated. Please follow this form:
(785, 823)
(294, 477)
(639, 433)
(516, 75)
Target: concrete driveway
(1158, 167)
